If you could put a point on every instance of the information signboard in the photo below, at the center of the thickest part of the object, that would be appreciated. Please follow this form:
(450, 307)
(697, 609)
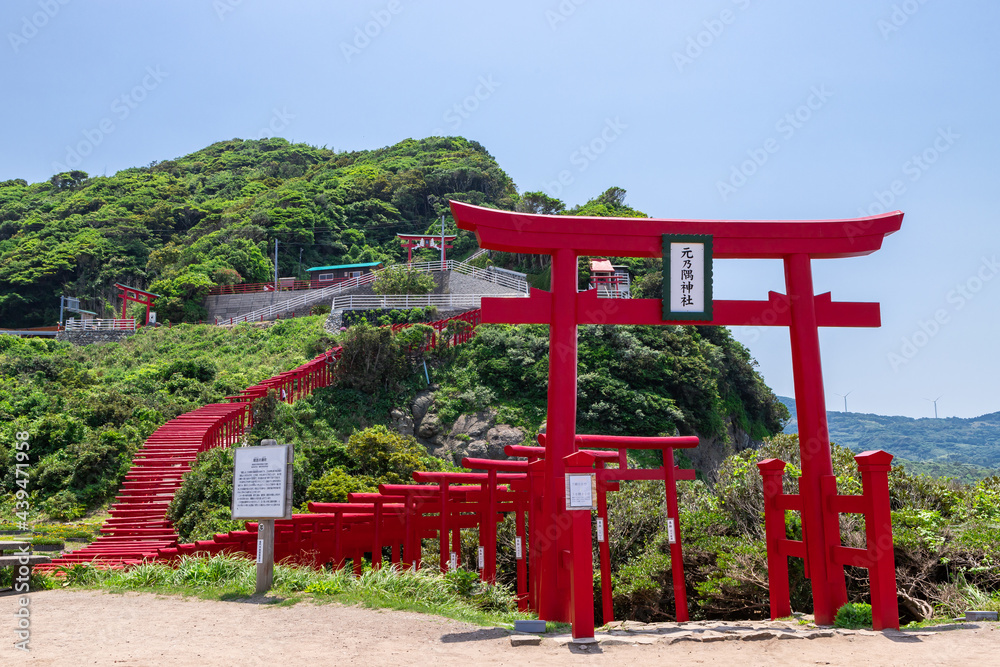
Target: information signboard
(262, 482)
(581, 491)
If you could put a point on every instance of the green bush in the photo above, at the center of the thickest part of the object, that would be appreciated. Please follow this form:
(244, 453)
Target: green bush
(387, 456)
(334, 486)
(854, 615)
(371, 359)
(414, 338)
(403, 279)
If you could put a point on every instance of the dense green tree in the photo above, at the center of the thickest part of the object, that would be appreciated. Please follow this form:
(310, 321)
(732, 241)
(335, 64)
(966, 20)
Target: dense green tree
(220, 210)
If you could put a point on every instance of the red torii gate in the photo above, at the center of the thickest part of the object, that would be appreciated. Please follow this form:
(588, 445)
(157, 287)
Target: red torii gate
(796, 243)
(607, 480)
(411, 241)
(138, 296)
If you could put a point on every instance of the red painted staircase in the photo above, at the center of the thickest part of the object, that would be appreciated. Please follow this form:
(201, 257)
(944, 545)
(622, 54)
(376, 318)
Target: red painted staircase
(138, 526)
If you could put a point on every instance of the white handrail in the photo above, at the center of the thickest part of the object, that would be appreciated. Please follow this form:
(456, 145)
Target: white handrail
(307, 298)
(404, 301)
(73, 324)
(506, 279)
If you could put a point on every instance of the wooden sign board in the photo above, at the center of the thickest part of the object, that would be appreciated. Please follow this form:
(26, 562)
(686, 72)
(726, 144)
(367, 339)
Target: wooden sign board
(687, 277)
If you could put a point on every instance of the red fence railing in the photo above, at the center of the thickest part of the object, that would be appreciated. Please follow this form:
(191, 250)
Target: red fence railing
(449, 331)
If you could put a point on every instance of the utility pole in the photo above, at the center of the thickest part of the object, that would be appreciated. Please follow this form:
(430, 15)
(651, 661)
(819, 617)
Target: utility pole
(442, 243)
(299, 275)
(275, 264)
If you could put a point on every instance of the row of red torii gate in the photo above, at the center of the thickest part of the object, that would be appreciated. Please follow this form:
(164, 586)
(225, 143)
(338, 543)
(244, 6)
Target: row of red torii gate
(559, 484)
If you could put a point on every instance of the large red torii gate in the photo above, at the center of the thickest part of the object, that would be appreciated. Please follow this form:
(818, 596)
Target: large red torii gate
(563, 308)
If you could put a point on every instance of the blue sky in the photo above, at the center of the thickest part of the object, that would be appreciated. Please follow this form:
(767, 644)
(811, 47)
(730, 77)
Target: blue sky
(729, 109)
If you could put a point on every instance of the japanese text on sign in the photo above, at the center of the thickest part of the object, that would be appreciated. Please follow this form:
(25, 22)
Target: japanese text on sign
(259, 482)
(581, 491)
(687, 277)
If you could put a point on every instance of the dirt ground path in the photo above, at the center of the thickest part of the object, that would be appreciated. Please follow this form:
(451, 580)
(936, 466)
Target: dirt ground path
(76, 628)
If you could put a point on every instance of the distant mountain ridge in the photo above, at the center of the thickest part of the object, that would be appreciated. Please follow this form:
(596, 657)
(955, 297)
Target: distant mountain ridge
(969, 443)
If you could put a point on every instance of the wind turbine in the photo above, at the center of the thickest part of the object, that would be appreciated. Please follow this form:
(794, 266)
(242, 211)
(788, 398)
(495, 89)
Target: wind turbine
(934, 401)
(844, 396)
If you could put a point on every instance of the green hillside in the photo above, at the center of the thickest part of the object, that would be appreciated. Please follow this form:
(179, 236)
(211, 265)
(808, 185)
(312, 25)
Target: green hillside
(965, 448)
(213, 217)
(89, 408)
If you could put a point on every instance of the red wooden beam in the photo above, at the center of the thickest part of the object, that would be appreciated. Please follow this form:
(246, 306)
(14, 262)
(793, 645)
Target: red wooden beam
(643, 237)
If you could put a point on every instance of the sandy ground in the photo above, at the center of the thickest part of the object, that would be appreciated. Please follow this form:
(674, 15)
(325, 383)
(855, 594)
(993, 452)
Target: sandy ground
(76, 628)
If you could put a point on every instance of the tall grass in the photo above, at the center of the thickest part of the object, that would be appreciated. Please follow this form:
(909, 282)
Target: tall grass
(457, 595)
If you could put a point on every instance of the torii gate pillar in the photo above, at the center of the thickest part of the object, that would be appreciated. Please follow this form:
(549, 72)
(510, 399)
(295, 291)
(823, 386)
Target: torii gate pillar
(829, 590)
(560, 438)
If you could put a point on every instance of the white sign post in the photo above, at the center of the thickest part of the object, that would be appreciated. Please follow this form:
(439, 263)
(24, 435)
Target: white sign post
(262, 490)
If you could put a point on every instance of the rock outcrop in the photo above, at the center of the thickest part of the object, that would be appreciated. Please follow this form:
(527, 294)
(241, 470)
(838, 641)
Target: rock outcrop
(474, 435)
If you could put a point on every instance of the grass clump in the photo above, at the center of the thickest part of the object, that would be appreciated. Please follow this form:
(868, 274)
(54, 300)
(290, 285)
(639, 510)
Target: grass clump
(458, 594)
(854, 616)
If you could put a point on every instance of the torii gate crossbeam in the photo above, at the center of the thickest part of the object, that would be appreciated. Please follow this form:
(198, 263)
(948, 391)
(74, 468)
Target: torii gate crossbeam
(796, 243)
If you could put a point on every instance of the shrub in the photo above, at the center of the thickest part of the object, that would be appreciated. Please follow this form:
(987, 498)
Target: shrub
(371, 359)
(402, 279)
(388, 456)
(854, 615)
(334, 486)
(414, 339)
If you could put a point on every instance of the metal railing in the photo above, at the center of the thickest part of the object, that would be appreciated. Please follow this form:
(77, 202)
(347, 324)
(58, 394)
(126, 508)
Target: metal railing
(306, 299)
(503, 278)
(73, 324)
(508, 279)
(404, 301)
(618, 286)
